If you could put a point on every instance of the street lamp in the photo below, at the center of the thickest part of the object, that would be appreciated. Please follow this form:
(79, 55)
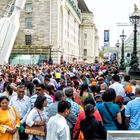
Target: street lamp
(117, 45)
(50, 62)
(134, 69)
(122, 36)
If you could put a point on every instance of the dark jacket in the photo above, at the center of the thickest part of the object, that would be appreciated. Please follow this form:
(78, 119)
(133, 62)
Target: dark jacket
(92, 129)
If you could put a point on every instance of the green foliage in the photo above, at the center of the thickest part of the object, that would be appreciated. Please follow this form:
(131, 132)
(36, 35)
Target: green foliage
(101, 54)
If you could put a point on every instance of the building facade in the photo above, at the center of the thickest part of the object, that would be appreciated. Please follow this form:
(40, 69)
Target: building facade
(65, 26)
(88, 38)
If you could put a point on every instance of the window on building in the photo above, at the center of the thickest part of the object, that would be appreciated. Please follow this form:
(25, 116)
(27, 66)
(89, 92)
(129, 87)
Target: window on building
(85, 52)
(28, 22)
(28, 40)
(28, 7)
(85, 35)
(128, 54)
(85, 39)
(12, 8)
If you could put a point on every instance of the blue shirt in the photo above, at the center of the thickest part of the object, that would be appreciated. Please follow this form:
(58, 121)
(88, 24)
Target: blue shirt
(132, 110)
(98, 104)
(75, 108)
(107, 119)
(53, 109)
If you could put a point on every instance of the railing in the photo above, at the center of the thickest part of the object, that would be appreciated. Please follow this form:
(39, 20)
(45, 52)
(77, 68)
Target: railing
(123, 135)
(31, 46)
(30, 50)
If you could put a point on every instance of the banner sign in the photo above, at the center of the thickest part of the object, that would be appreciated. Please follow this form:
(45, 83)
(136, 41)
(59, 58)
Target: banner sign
(106, 35)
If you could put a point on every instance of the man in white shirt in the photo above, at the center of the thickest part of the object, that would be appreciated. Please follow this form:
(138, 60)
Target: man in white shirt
(117, 86)
(22, 104)
(57, 127)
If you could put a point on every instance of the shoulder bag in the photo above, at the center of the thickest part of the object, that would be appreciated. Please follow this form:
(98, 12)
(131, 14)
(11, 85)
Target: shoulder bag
(36, 130)
(118, 125)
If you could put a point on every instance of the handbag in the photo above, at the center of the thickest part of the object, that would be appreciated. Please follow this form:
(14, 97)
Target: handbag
(36, 130)
(118, 125)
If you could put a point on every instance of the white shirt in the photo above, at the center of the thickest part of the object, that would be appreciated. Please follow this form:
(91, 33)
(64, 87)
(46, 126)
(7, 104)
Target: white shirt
(23, 106)
(34, 117)
(48, 99)
(118, 89)
(57, 128)
(133, 89)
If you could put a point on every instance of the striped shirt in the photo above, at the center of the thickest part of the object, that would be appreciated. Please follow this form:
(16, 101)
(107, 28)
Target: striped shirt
(48, 98)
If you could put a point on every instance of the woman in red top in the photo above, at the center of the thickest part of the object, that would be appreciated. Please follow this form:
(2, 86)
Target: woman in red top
(82, 116)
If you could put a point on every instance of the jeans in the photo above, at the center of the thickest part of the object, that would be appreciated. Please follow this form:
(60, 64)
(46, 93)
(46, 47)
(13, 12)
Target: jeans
(34, 138)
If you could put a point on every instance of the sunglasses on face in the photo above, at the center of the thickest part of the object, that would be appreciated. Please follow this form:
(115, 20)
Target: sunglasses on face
(38, 89)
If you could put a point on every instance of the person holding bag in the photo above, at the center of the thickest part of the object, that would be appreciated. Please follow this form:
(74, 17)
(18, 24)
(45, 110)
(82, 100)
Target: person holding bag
(9, 121)
(36, 120)
(110, 111)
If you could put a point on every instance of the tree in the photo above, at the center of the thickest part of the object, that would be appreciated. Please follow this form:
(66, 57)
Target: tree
(101, 54)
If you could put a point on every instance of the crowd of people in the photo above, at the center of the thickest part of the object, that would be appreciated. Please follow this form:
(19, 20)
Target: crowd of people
(68, 101)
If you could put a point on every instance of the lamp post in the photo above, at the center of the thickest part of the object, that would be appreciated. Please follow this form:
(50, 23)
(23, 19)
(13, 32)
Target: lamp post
(117, 45)
(134, 71)
(50, 62)
(122, 36)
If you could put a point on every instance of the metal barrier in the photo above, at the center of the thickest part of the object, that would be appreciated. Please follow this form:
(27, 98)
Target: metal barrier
(123, 135)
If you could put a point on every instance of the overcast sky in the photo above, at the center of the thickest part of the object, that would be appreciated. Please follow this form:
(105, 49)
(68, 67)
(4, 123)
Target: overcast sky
(107, 13)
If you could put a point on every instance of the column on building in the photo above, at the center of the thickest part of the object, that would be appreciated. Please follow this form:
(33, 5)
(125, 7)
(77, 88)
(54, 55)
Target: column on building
(96, 48)
(69, 30)
(89, 38)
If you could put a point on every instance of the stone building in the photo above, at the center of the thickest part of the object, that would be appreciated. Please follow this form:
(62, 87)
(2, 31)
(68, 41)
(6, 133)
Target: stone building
(89, 40)
(65, 28)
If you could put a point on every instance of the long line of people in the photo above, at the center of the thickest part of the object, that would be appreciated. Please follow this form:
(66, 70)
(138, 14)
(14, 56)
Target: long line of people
(71, 101)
